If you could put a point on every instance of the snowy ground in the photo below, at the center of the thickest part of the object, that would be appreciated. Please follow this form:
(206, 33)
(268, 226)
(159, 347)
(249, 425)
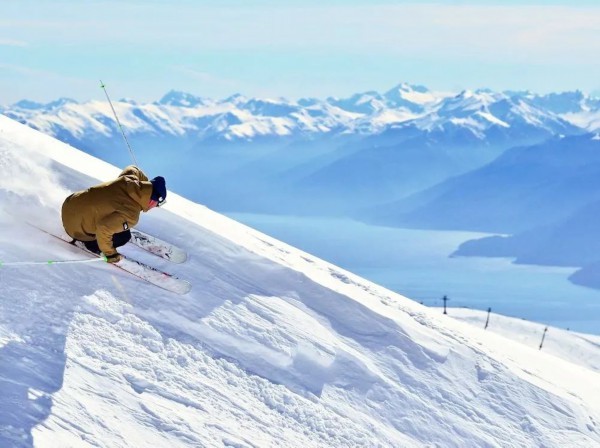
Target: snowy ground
(578, 348)
(272, 348)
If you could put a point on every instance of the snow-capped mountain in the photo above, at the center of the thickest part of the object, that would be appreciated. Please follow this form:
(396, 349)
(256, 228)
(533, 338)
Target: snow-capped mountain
(272, 347)
(179, 114)
(576, 107)
(32, 105)
(311, 155)
(361, 103)
(564, 102)
(492, 117)
(404, 97)
(368, 112)
(182, 99)
(457, 134)
(415, 98)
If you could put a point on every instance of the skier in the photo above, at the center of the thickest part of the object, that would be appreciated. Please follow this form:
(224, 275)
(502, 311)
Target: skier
(101, 216)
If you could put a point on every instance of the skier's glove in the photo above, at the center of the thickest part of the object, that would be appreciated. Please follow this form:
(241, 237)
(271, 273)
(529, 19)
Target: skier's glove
(114, 258)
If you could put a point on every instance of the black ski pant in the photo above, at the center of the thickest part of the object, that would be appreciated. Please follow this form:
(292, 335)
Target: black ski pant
(119, 239)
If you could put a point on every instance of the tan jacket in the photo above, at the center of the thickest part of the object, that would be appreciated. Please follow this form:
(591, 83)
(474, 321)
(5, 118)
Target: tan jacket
(103, 210)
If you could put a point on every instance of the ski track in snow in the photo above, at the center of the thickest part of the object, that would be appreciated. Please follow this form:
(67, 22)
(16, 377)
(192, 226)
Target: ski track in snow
(273, 347)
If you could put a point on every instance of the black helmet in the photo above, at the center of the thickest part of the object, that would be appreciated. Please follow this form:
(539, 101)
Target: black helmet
(159, 190)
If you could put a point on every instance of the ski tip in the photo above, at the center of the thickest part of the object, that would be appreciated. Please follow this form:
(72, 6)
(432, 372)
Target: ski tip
(185, 289)
(178, 258)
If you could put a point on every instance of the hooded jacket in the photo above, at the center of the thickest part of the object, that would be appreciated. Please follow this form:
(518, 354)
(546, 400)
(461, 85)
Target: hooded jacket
(111, 207)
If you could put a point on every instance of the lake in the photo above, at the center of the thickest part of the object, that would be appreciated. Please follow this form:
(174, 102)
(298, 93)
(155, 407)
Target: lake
(416, 263)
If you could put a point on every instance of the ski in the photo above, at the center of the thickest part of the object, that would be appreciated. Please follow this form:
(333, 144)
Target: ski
(136, 268)
(153, 275)
(158, 247)
(143, 271)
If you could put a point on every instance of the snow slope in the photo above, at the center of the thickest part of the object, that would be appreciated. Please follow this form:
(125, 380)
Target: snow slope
(578, 348)
(272, 348)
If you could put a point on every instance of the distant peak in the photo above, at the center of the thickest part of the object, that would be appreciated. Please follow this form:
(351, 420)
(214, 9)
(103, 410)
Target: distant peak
(406, 87)
(467, 93)
(307, 102)
(269, 101)
(33, 105)
(183, 99)
(28, 104)
(481, 95)
(63, 100)
(519, 94)
(236, 98)
(413, 97)
(128, 101)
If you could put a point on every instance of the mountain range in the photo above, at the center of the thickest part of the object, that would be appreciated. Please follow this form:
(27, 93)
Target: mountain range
(313, 156)
(481, 112)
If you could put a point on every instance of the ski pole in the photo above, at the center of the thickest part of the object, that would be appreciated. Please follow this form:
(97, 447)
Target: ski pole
(119, 123)
(49, 262)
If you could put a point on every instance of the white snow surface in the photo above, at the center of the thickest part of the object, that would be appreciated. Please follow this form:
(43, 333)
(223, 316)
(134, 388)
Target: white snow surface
(578, 348)
(271, 348)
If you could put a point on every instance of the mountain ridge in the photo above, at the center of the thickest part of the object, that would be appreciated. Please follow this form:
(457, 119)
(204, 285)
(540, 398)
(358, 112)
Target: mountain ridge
(401, 104)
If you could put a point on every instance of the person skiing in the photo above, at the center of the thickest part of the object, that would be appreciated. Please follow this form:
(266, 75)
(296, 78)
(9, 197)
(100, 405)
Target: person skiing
(101, 216)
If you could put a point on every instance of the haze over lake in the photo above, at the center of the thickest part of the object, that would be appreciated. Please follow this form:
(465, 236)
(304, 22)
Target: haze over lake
(417, 263)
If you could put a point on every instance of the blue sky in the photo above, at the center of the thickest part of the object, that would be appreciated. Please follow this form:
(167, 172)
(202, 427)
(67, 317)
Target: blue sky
(142, 49)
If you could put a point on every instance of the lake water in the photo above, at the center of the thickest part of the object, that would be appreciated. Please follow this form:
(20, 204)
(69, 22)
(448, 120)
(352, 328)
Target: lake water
(416, 263)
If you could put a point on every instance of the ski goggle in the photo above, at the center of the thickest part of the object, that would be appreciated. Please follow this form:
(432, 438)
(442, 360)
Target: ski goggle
(159, 203)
